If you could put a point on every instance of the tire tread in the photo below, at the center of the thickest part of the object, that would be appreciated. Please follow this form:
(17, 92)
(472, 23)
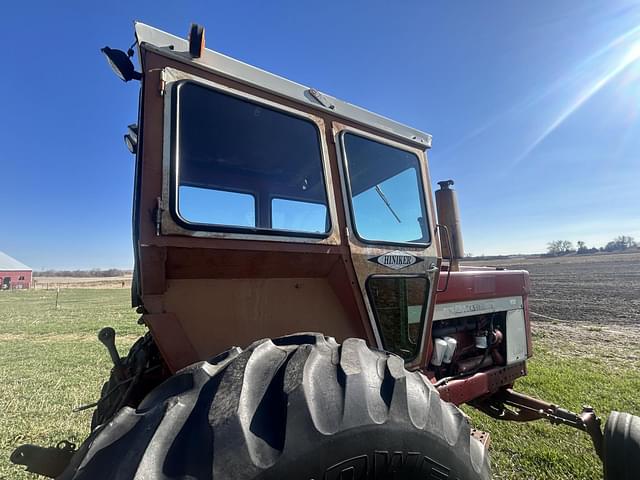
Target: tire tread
(247, 413)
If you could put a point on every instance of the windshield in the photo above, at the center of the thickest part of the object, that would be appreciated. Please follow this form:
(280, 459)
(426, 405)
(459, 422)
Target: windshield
(242, 165)
(387, 193)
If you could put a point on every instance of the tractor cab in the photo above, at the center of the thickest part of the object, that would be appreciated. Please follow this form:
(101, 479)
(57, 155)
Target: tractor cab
(264, 208)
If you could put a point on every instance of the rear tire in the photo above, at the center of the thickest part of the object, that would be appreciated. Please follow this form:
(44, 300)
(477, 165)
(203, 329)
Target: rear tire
(299, 407)
(622, 447)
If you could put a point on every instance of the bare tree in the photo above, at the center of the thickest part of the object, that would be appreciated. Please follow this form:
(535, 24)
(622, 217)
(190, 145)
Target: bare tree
(559, 247)
(554, 247)
(567, 246)
(620, 243)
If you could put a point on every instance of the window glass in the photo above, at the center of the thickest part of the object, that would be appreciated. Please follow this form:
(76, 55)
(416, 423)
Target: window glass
(300, 216)
(207, 205)
(387, 194)
(399, 305)
(234, 156)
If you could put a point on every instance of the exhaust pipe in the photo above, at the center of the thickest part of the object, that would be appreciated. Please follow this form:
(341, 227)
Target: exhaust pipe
(449, 216)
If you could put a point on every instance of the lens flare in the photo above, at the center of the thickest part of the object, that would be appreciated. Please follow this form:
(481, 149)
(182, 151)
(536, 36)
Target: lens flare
(582, 68)
(631, 55)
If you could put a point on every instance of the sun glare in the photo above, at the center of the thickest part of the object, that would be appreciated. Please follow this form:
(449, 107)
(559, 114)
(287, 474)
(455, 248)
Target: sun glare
(634, 52)
(617, 64)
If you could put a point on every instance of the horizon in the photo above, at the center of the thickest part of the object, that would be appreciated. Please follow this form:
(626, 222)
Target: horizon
(468, 256)
(537, 126)
(129, 268)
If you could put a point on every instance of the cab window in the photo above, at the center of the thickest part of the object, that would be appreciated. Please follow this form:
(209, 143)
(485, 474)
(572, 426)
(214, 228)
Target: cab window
(243, 166)
(387, 195)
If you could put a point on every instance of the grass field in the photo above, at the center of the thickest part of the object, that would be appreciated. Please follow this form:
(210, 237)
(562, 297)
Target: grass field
(51, 361)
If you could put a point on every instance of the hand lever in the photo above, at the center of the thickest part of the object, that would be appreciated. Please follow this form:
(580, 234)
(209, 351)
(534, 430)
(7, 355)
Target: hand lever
(107, 337)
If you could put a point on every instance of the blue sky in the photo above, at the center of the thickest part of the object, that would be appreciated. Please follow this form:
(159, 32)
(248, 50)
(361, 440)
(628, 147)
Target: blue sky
(533, 107)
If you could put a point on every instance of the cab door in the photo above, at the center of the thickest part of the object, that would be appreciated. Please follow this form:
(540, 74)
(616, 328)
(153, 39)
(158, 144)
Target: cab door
(390, 230)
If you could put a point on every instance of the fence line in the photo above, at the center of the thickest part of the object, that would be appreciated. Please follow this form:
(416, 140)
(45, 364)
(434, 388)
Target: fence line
(88, 284)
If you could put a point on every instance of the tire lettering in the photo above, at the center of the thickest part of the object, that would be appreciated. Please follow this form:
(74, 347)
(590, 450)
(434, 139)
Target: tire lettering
(385, 464)
(355, 468)
(433, 470)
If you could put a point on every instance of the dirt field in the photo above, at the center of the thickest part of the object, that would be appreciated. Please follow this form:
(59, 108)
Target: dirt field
(598, 289)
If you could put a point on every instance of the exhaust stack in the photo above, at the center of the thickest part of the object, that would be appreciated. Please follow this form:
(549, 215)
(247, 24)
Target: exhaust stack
(449, 216)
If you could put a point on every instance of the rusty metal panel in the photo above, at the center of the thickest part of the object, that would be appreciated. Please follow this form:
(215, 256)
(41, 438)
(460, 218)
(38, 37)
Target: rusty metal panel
(217, 314)
(470, 388)
(153, 274)
(175, 346)
(229, 263)
(469, 285)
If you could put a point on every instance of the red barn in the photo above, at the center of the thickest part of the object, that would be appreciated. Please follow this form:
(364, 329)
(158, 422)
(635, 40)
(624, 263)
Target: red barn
(13, 274)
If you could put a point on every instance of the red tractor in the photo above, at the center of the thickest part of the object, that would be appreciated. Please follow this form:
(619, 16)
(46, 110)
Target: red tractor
(263, 208)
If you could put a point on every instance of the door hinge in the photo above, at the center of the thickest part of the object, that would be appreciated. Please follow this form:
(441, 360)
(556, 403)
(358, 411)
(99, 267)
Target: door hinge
(163, 82)
(158, 215)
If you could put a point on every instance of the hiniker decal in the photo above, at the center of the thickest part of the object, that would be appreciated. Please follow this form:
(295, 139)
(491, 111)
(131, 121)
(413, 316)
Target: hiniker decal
(396, 260)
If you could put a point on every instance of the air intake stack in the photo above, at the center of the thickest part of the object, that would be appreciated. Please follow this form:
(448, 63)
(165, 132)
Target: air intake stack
(449, 216)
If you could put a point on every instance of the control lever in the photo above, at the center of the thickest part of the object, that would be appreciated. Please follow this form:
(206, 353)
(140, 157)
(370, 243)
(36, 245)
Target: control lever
(107, 337)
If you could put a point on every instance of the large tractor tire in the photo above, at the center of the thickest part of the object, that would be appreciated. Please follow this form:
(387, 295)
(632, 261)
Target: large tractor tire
(297, 407)
(622, 447)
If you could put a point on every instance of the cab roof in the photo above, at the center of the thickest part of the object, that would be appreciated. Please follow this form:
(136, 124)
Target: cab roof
(178, 48)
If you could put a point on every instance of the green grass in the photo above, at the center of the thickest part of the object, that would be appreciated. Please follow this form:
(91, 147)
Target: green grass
(51, 361)
(538, 450)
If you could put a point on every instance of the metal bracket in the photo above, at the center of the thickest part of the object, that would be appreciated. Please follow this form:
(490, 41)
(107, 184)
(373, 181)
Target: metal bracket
(163, 82)
(321, 99)
(483, 437)
(47, 461)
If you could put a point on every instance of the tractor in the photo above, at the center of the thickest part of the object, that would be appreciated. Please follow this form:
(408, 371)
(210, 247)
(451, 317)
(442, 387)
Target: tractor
(265, 211)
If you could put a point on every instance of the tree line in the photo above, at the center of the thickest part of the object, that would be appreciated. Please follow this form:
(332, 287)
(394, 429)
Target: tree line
(96, 272)
(564, 247)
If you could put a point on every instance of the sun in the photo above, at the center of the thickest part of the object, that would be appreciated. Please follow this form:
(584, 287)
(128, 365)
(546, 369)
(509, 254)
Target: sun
(634, 52)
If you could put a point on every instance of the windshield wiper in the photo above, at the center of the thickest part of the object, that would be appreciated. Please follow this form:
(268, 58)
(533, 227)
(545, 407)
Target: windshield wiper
(386, 202)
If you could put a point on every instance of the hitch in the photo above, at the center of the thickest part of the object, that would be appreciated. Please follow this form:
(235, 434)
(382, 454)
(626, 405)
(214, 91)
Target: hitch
(46, 461)
(507, 404)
